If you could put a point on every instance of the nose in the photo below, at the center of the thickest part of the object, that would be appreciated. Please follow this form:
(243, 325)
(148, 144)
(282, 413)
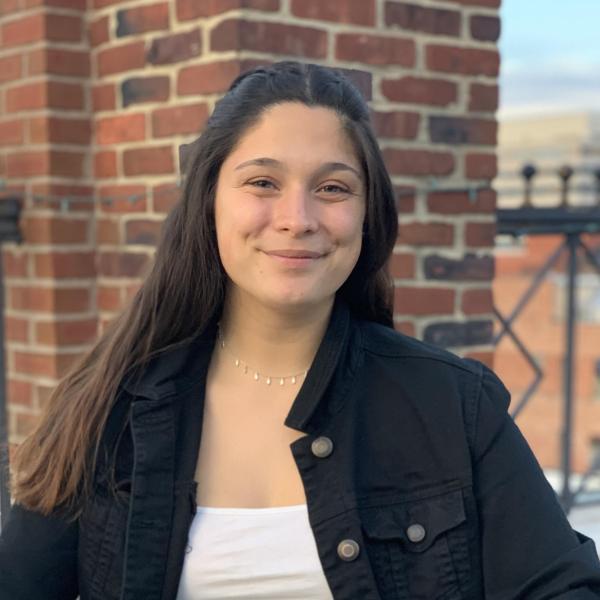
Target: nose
(295, 212)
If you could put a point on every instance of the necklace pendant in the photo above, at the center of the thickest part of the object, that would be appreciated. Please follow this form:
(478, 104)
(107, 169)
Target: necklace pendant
(293, 379)
(268, 381)
(256, 376)
(281, 381)
(237, 362)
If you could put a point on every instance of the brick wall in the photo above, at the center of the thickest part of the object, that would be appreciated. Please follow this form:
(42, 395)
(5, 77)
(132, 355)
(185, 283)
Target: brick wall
(98, 98)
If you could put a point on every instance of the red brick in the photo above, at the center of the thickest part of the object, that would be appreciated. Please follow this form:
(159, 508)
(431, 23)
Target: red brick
(75, 332)
(137, 90)
(481, 235)
(11, 133)
(35, 363)
(70, 4)
(485, 28)
(63, 28)
(109, 298)
(27, 164)
(10, 68)
(59, 265)
(98, 32)
(486, 3)
(125, 128)
(142, 231)
(14, 263)
(25, 30)
(179, 120)
(122, 198)
(140, 19)
(465, 61)
(426, 234)
(418, 162)
(424, 301)
(20, 392)
(16, 329)
(210, 78)
(413, 17)
(42, 94)
(477, 302)
(405, 327)
(483, 97)
(485, 357)
(396, 124)
(375, 50)
(42, 26)
(402, 265)
(108, 231)
(118, 59)
(70, 63)
(165, 196)
(47, 230)
(447, 129)
(47, 299)
(405, 198)
(60, 131)
(456, 202)
(105, 164)
(193, 9)
(418, 90)
(148, 161)
(122, 264)
(104, 97)
(9, 7)
(342, 11)
(275, 38)
(481, 166)
(175, 48)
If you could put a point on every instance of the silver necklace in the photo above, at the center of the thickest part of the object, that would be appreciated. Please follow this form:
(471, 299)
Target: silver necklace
(256, 375)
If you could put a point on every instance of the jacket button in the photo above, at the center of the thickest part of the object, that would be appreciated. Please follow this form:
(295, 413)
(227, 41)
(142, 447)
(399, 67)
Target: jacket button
(348, 550)
(416, 533)
(322, 447)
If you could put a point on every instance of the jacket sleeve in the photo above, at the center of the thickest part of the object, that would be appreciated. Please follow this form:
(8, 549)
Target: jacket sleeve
(529, 550)
(38, 557)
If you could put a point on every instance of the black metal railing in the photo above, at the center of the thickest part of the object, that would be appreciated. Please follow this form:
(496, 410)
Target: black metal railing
(572, 223)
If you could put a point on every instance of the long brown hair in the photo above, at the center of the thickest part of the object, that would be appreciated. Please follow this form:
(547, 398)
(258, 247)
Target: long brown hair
(185, 286)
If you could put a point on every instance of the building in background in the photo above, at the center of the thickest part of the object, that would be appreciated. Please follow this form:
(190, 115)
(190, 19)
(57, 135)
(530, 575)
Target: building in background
(550, 141)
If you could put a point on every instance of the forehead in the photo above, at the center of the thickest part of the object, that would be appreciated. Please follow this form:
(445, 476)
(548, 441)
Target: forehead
(293, 132)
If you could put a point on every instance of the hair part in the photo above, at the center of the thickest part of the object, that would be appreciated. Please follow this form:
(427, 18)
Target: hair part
(54, 467)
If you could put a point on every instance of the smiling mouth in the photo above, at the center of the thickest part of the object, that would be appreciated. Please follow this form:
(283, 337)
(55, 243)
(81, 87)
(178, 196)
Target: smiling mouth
(298, 254)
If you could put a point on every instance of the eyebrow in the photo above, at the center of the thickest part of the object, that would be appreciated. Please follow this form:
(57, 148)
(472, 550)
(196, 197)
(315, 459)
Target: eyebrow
(324, 168)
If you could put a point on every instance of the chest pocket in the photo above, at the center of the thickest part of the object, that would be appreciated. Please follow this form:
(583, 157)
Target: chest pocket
(419, 549)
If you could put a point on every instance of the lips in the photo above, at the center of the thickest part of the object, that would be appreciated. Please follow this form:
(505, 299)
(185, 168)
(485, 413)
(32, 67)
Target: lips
(285, 253)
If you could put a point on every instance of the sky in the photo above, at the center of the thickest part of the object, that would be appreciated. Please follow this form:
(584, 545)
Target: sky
(550, 53)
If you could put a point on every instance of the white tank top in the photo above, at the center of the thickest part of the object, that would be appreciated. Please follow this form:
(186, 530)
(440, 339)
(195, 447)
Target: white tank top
(252, 554)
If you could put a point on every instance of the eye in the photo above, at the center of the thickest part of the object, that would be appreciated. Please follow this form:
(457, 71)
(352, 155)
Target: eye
(332, 188)
(262, 183)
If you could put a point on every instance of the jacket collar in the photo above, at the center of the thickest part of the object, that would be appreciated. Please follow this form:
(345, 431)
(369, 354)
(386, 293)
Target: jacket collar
(176, 369)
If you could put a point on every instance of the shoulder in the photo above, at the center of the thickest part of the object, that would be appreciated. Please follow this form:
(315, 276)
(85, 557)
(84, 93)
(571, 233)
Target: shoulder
(421, 363)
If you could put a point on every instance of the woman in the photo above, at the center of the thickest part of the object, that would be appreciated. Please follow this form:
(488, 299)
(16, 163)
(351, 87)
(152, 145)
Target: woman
(252, 427)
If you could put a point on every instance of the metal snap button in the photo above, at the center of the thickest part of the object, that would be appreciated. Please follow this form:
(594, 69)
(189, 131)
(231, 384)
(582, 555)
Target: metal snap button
(348, 550)
(322, 447)
(416, 533)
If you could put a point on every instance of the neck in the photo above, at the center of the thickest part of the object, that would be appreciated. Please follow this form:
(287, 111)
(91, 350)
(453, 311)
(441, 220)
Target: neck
(272, 341)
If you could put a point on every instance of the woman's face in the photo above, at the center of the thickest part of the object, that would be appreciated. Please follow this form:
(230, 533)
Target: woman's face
(289, 209)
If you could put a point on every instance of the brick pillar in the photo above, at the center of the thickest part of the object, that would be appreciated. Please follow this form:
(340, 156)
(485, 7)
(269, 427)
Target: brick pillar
(156, 69)
(45, 135)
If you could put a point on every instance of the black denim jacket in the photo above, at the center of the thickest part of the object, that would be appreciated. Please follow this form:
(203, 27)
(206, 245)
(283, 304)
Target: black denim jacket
(421, 486)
